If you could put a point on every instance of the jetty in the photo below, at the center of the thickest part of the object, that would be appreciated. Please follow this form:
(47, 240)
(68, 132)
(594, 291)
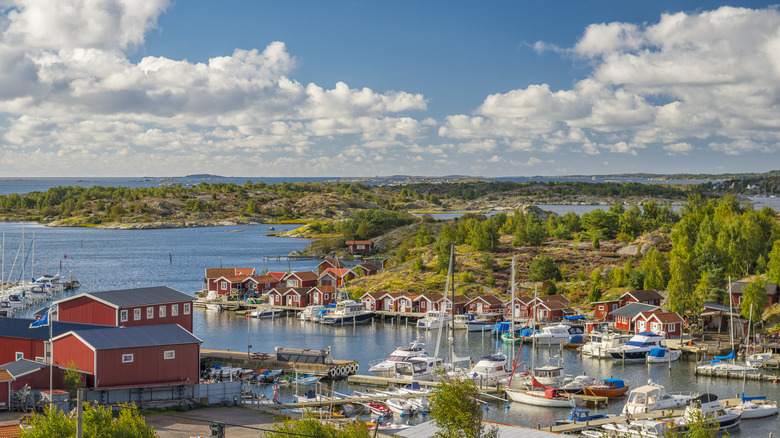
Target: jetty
(315, 362)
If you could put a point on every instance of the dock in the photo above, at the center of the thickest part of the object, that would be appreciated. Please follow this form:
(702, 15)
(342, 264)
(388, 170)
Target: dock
(257, 361)
(384, 382)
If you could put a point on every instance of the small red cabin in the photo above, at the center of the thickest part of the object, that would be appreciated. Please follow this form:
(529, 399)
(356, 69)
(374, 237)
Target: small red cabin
(360, 246)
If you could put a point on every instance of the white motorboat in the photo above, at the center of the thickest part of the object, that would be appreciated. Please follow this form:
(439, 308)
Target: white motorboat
(347, 312)
(755, 407)
(488, 370)
(417, 368)
(470, 323)
(400, 406)
(386, 368)
(599, 343)
(637, 347)
(548, 398)
(265, 313)
(756, 360)
(725, 365)
(636, 428)
(653, 397)
(309, 312)
(663, 355)
(553, 334)
(433, 319)
(547, 375)
(708, 405)
(577, 385)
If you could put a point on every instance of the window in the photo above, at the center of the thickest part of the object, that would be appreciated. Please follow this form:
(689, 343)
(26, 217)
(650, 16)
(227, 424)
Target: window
(149, 312)
(19, 355)
(162, 312)
(174, 310)
(169, 354)
(127, 358)
(137, 314)
(123, 315)
(223, 285)
(186, 308)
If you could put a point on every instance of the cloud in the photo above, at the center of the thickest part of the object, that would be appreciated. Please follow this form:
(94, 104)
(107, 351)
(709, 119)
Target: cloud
(688, 80)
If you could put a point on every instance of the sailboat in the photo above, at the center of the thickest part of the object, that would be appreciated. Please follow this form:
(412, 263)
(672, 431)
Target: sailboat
(449, 287)
(511, 337)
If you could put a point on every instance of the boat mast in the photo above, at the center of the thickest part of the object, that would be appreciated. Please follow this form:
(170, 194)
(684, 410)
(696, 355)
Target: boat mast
(452, 320)
(512, 303)
(446, 290)
(731, 319)
(533, 332)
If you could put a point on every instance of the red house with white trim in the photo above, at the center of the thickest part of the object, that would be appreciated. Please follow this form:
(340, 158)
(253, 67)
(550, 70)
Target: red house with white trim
(429, 302)
(297, 296)
(276, 296)
(322, 295)
(335, 277)
(460, 304)
(129, 308)
(624, 316)
(659, 321)
(126, 356)
(603, 309)
(485, 305)
(650, 296)
(360, 246)
(552, 310)
(404, 303)
(377, 301)
(5, 389)
(213, 274)
(300, 279)
(329, 263)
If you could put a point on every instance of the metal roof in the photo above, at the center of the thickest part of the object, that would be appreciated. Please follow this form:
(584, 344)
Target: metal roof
(141, 336)
(20, 328)
(145, 296)
(633, 309)
(23, 367)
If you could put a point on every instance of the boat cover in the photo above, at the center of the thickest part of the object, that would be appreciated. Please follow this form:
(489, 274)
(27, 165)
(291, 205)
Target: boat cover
(726, 357)
(657, 352)
(574, 339)
(574, 317)
(616, 383)
(744, 399)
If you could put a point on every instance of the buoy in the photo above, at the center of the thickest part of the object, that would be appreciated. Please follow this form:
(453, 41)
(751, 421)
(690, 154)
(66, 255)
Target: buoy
(507, 406)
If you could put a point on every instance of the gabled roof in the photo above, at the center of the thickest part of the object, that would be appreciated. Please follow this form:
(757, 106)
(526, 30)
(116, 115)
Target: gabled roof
(221, 272)
(22, 367)
(133, 337)
(324, 289)
(738, 287)
(376, 295)
(235, 278)
(490, 299)
(632, 309)
(5, 376)
(553, 305)
(336, 272)
(336, 263)
(369, 266)
(646, 314)
(20, 328)
(136, 297)
(301, 291)
(359, 242)
(277, 275)
(264, 278)
(643, 295)
(559, 298)
(667, 317)
(432, 297)
(303, 275)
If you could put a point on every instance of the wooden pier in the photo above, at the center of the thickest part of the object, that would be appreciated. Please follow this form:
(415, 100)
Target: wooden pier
(258, 361)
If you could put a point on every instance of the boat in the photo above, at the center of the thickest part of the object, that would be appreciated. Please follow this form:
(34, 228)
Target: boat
(573, 342)
(347, 312)
(663, 355)
(472, 324)
(433, 319)
(306, 380)
(577, 385)
(556, 334)
(549, 397)
(268, 376)
(707, 405)
(417, 368)
(386, 368)
(636, 428)
(381, 410)
(488, 370)
(265, 313)
(502, 327)
(547, 375)
(607, 388)
(309, 312)
(754, 407)
(757, 360)
(578, 415)
(388, 428)
(599, 343)
(653, 397)
(637, 347)
(400, 406)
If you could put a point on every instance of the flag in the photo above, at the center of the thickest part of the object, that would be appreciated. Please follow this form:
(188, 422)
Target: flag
(42, 321)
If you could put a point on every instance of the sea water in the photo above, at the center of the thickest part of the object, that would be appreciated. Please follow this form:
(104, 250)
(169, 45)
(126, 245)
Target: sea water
(121, 259)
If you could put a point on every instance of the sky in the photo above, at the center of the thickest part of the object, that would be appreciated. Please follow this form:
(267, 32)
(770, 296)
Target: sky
(369, 88)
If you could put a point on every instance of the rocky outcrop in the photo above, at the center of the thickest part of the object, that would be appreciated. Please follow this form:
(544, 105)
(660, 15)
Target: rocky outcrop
(643, 243)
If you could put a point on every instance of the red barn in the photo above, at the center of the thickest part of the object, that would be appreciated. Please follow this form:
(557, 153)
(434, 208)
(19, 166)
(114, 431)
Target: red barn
(376, 301)
(297, 296)
(322, 295)
(19, 341)
(604, 309)
(212, 275)
(650, 296)
(276, 296)
(129, 308)
(403, 303)
(360, 246)
(128, 356)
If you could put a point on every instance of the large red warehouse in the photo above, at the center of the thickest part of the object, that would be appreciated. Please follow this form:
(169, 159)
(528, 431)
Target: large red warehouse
(19, 341)
(129, 308)
(131, 356)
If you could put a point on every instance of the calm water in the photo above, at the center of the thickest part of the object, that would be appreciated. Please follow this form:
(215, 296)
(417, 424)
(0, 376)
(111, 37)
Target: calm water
(117, 259)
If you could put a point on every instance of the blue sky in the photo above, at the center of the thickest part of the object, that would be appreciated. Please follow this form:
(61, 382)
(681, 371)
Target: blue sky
(338, 88)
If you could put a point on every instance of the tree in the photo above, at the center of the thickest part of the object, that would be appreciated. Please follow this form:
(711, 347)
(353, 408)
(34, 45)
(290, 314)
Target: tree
(544, 268)
(754, 295)
(456, 412)
(98, 421)
(699, 425)
(72, 379)
(423, 237)
(656, 270)
(773, 266)
(313, 427)
(682, 281)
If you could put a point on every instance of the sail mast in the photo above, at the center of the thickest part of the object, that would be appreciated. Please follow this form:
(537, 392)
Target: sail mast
(452, 320)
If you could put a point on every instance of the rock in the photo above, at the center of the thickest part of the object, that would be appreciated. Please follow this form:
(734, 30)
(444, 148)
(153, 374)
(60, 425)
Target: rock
(538, 213)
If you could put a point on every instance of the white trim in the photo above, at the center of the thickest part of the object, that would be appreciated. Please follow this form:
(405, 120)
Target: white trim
(123, 315)
(162, 310)
(172, 354)
(175, 309)
(19, 355)
(147, 312)
(137, 314)
(128, 358)
(187, 307)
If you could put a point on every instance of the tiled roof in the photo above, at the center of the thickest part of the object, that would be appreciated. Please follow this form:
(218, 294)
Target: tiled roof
(559, 298)
(358, 242)
(369, 266)
(490, 299)
(265, 278)
(222, 272)
(303, 275)
(139, 336)
(668, 317)
(326, 289)
(10, 431)
(432, 297)
(137, 297)
(302, 291)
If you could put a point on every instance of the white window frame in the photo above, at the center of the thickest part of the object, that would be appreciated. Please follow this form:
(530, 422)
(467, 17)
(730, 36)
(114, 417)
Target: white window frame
(150, 312)
(174, 310)
(127, 358)
(19, 355)
(223, 285)
(123, 315)
(137, 314)
(169, 354)
(187, 308)
(162, 311)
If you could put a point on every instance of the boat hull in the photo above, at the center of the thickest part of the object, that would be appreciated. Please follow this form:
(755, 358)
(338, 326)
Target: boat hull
(537, 398)
(351, 319)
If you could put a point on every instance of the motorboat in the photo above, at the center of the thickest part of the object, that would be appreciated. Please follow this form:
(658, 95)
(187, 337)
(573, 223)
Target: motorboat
(607, 388)
(386, 368)
(725, 365)
(636, 428)
(265, 313)
(653, 397)
(488, 370)
(754, 407)
(573, 342)
(472, 324)
(707, 405)
(578, 415)
(663, 355)
(417, 368)
(756, 360)
(577, 385)
(637, 347)
(553, 334)
(599, 343)
(380, 410)
(400, 406)
(347, 312)
(433, 319)
(547, 375)
(549, 397)
(309, 312)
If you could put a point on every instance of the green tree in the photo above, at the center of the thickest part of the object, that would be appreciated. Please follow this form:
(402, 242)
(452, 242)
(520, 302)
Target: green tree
(682, 279)
(423, 237)
(544, 268)
(98, 422)
(699, 425)
(313, 427)
(456, 412)
(656, 270)
(773, 266)
(72, 379)
(754, 295)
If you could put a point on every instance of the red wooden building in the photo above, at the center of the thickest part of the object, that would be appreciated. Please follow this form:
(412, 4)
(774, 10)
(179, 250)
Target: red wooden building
(128, 356)
(213, 274)
(129, 308)
(297, 296)
(377, 301)
(460, 304)
(429, 302)
(335, 277)
(5, 389)
(329, 263)
(738, 288)
(659, 322)
(552, 310)
(360, 246)
(19, 341)
(35, 375)
(300, 279)
(485, 305)
(624, 316)
(404, 303)
(650, 296)
(604, 309)
(322, 295)
(366, 268)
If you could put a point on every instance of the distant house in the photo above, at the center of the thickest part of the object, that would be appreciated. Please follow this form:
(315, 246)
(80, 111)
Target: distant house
(377, 301)
(659, 322)
(485, 305)
(213, 274)
(604, 309)
(239, 285)
(335, 277)
(429, 302)
(404, 303)
(650, 296)
(322, 295)
(624, 316)
(129, 307)
(329, 263)
(297, 296)
(738, 289)
(552, 310)
(460, 304)
(300, 279)
(523, 307)
(360, 246)
(366, 268)
(276, 295)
